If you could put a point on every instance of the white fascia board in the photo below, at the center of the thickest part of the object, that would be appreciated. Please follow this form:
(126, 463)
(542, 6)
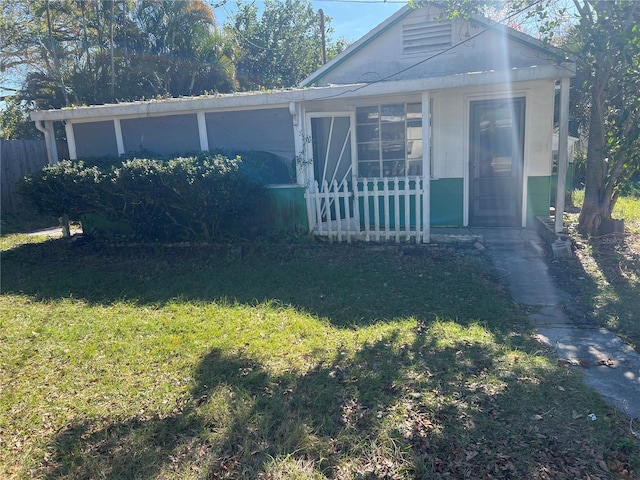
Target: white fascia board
(283, 98)
(164, 107)
(499, 78)
(186, 105)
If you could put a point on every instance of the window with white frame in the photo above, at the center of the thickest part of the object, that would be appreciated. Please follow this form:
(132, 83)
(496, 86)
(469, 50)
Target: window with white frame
(389, 140)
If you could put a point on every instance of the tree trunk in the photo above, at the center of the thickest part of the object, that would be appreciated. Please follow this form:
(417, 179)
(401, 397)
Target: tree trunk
(111, 54)
(596, 207)
(53, 49)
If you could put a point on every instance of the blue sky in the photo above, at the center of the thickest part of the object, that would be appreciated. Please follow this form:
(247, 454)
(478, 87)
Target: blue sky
(350, 19)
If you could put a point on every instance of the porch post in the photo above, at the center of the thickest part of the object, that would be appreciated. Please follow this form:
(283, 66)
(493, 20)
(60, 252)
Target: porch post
(50, 138)
(202, 132)
(297, 117)
(41, 126)
(426, 169)
(119, 142)
(71, 140)
(563, 152)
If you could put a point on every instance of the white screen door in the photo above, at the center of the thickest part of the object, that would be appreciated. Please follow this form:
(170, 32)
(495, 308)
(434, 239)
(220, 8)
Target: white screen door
(332, 146)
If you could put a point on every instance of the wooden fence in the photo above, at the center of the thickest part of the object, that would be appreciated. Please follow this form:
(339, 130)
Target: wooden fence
(17, 159)
(374, 209)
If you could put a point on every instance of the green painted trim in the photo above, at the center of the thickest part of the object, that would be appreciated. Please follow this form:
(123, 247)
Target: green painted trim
(447, 199)
(370, 205)
(285, 209)
(447, 202)
(538, 198)
(339, 60)
(568, 182)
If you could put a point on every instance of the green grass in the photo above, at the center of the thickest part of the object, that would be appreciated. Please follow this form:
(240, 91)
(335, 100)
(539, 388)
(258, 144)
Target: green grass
(9, 241)
(285, 362)
(25, 221)
(605, 275)
(626, 208)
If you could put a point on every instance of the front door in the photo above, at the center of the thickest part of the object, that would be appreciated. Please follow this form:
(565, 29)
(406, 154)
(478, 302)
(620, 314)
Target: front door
(496, 162)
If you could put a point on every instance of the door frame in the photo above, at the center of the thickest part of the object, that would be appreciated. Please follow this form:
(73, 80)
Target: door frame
(309, 144)
(350, 178)
(522, 94)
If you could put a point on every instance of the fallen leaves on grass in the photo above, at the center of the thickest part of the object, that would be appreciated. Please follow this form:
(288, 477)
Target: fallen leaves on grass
(607, 363)
(565, 362)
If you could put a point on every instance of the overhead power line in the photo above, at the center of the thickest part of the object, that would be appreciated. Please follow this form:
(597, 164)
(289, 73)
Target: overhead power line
(442, 52)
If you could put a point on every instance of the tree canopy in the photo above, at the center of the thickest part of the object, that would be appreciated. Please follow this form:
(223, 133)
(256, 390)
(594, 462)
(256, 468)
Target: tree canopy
(14, 123)
(88, 52)
(608, 54)
(279, 47)
(84, 52)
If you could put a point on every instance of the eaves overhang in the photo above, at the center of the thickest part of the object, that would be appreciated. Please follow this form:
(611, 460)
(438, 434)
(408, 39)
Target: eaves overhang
(179, 105)
(284, 98)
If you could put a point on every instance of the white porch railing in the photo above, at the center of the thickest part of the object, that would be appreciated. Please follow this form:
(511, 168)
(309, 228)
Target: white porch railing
(372, 209)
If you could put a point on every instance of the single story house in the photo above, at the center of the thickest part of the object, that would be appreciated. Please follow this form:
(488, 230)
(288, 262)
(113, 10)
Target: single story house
(423, 122)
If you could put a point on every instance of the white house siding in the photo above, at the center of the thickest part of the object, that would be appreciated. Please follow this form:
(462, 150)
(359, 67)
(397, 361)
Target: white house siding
(451, 123)
(450, 138)
(95, 139)
(269, 130)
(539, 144)
(451, 142)
(470, 60)
(163, 135)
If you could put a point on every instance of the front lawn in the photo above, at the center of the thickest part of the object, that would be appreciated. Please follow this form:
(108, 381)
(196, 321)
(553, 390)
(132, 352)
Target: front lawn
(306, 361)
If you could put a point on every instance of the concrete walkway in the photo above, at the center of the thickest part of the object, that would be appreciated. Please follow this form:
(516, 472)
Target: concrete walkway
(54, 232)
(610, 366)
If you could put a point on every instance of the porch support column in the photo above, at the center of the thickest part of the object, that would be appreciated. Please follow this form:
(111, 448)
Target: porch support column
(202, 132)
(563, 152)
(119, 142)
(426, 169)
(49, 140)
(295, 110)
(71, 140)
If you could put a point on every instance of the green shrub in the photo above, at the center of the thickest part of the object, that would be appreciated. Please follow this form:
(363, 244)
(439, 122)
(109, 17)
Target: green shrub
(264, 167)
(66, 188)
(195, 198)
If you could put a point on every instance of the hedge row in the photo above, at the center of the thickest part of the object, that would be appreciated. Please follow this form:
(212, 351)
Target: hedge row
(197, 198)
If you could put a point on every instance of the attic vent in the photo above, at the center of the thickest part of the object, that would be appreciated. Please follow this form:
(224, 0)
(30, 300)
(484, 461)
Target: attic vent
(426, 36)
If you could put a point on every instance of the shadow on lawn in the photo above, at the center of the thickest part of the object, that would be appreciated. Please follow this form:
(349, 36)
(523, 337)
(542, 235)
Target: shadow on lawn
(348, 284)
(618, 262)
(599, 277)
(384, 413)
(387, 410)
